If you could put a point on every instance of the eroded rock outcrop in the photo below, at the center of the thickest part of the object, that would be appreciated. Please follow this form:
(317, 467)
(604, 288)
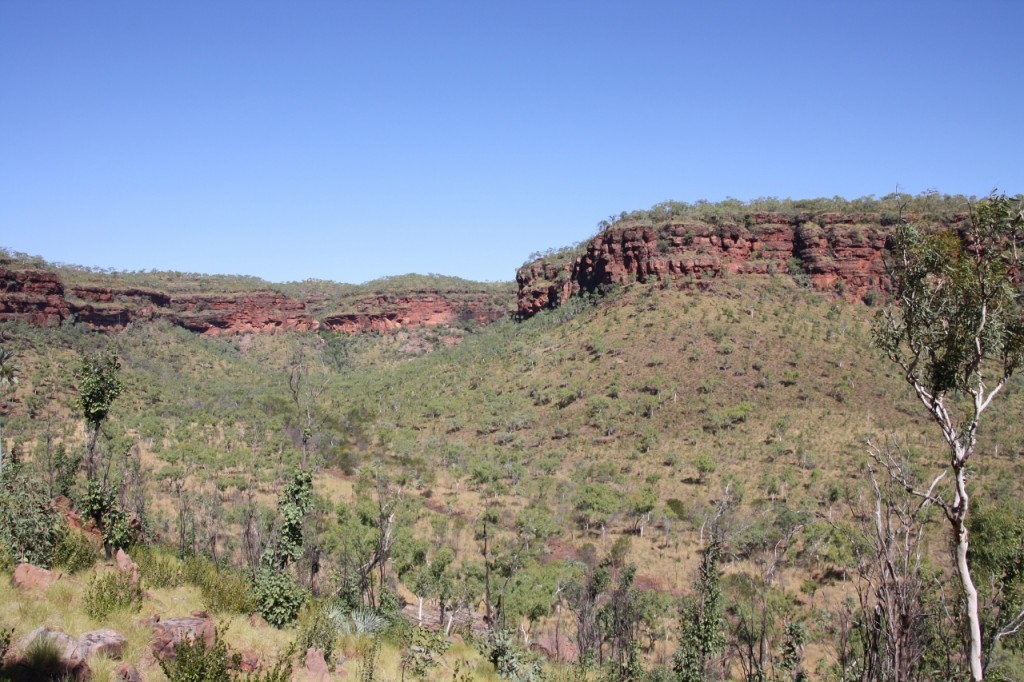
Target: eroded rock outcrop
(389, 313)
(168, 634)
(70, 655)
(841, 253)
(39, 297)
(33, 296)
(257, 312)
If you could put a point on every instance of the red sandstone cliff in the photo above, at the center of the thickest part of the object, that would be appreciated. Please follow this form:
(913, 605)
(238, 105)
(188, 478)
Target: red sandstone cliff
(264, 311)
(388, 313)
(39, 297)
(841, 253)
(35, 296)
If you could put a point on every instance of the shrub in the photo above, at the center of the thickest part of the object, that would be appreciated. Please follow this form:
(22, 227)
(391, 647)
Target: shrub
(101, 505)
(278, 597)
(111, 592)
(509, 659)
(74, 551)
(193, 662)
(704, 464)
(28, 522)
(224, 589)
(316, 629)
(677, 507)
(424, 652)
(157, 567)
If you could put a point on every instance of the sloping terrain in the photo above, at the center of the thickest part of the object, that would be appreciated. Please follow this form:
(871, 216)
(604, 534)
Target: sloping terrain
(611, 422)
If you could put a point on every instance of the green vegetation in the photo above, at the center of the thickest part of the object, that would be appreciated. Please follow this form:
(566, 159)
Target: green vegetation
(110, 592)
(673, 484)
(955, 330)
(936, 206)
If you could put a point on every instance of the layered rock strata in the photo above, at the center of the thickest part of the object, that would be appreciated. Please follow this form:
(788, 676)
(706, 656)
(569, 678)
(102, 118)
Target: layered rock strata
(841, 253)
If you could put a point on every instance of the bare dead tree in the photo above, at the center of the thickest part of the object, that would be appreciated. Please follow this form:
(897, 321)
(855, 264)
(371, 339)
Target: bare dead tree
(892, 597)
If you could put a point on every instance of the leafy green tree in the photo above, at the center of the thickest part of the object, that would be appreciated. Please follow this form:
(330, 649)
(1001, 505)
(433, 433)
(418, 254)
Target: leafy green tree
(705, 466)
(955, 328)
(997, 559)
(414, 570)
(641, 504)
(99, 385)
(595, 503)
(101, 505)
(294, 503)
(701, 624)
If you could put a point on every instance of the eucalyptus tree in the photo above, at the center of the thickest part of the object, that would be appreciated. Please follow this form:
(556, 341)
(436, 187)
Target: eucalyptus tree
(955, 328)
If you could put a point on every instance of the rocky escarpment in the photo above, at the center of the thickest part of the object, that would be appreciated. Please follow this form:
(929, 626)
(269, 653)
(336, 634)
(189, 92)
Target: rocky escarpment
(35, 296)
(391, 312)
(840, 253)
(41, 298)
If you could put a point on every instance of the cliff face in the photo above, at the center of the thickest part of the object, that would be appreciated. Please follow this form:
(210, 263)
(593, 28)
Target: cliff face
(841, 253)
(389, 313)
(257, 312)
(39, 297)
(35, 296)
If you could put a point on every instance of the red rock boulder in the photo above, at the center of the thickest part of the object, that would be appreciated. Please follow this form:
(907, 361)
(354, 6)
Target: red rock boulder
(168, 634)
(29, 577)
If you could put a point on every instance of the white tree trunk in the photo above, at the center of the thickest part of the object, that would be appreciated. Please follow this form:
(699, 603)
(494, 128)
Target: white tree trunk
(960, 507)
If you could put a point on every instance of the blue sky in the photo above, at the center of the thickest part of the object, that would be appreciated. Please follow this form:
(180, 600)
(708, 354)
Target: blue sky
(353, 140)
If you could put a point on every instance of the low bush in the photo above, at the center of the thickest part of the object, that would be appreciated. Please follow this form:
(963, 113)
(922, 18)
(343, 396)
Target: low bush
(194, 662)
(74, 551)
(278, 596)
(112, 591)
(316, 629)
(224, 589)
(158, 567)
(510, 661)
(28, 521)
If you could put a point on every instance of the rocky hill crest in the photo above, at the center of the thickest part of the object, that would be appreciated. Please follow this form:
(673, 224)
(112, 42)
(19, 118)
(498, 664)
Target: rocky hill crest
(833, 252)
(41, 297)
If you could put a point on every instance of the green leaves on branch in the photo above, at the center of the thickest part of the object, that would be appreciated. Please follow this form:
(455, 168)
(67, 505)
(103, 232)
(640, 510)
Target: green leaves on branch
(101, 505)
(28, 523)
(99, 385)
(294, 504)
(701, 635)
(958, 300)
(278, 597)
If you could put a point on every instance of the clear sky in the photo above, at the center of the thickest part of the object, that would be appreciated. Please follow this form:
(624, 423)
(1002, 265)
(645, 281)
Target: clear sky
(352, 140)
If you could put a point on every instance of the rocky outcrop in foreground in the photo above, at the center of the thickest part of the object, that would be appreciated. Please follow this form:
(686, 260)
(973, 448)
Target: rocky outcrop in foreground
(841, 253)
(71, 655)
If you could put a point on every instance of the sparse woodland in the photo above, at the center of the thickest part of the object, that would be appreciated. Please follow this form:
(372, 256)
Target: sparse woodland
(735, 482)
